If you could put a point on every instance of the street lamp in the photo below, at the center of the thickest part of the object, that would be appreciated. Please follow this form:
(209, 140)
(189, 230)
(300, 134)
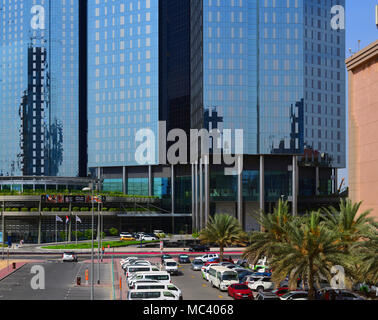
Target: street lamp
(92, 254)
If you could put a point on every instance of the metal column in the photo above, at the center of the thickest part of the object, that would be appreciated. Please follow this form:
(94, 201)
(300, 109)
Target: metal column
(201, 193)
(173, 196)
(193, 199)
(196, 195)
(295, 186)
(207, 189)
(39, 222)
(124, 182)
(317, 180)
(150, 181)
(262, 184)
(240, 193)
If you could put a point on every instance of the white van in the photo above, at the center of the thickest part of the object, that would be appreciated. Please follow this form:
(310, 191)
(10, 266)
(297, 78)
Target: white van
(222, 277)
(140, 285)
(171, 266)
(130, 270)
(150, 294)
(161, 276)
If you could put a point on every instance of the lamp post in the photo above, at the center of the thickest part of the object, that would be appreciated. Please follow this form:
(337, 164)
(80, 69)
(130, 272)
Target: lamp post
(92, 253)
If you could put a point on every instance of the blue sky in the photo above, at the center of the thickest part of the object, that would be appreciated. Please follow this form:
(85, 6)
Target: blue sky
(359, 25)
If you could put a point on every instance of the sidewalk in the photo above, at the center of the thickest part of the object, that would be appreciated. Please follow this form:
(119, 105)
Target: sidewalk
(6, 268)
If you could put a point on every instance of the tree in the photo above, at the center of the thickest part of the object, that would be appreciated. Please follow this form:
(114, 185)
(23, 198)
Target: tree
(347, 221)
(310, 252)
(224, 230)
(113, 231)
(275, 231)
(88, 234)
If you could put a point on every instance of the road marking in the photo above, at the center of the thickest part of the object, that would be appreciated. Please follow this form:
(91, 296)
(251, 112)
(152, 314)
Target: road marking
(193, 277)
(204, 285)
(220, 297)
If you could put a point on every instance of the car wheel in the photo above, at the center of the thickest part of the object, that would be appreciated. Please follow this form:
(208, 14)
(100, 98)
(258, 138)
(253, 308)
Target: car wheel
(260, 289)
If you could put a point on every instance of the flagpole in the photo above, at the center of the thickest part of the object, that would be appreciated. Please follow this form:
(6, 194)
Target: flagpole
(56, 231)
(76, 227)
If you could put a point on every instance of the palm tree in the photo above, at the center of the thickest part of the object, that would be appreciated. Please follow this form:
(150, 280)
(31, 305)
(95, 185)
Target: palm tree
(347, 221)
(275, 231)
(223, 230)
(310, 252)
(367, 253)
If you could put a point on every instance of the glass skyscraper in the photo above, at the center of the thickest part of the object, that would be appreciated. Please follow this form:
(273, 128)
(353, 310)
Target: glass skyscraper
(39, 81)
(274, 69)
(123, 78)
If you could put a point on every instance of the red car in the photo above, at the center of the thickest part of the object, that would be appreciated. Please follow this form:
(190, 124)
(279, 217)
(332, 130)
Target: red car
(281, 291)
(240, 291)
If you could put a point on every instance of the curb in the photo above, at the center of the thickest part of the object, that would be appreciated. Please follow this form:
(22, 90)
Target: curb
(13, 271)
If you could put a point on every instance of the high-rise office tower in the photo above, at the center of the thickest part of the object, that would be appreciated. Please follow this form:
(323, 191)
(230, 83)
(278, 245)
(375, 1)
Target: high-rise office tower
(39, 82)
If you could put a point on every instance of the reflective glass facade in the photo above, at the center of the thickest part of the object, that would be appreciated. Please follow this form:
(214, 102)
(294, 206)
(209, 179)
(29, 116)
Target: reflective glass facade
(123, 78)
(324, 80)
(259, 65)
(39, 71)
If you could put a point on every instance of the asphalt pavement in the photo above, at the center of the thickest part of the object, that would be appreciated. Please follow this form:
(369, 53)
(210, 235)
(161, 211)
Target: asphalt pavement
(60, 282)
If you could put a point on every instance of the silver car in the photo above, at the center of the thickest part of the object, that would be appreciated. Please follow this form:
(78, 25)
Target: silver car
(197, 265)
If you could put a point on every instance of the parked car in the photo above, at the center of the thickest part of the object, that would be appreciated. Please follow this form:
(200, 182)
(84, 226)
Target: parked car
(161, 276)
(259, 283)
(159, 233)
(69, 256)
(183, 258)
(140, 285)
(127, 238)
(295, 295)
(217, 260)
(148, 238)
(150, 294)
(266, 296)
(242, 263)
(197, 265)
(171, 266)
(126, 260)
(243, 273)
(240, 291)
(199, 248)
(165, 256)
(221, 277)
(207, 257)
(281, 291)
(205, 270)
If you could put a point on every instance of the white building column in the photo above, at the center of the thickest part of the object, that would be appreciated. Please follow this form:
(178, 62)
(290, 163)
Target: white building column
(207, 189)
(295, 186)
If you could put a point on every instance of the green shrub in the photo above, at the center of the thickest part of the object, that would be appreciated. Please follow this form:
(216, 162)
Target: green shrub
(104, 209)
(46, 209)
(114, 209)
(88, 234)
(75, 209)
(15, 210)
(34, 210)
(84, 209)
(24, 209)
(55, 209)
(64, 209)
(8, 209)
(113, 231)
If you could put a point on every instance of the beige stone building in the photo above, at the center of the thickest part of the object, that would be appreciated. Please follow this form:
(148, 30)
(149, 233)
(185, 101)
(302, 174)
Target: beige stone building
(363, 127)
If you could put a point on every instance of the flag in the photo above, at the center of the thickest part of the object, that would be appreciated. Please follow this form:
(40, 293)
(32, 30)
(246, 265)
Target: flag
(67, 219)
(58, 219)
(78, 219)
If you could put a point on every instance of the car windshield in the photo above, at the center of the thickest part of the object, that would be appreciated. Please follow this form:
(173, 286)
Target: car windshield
(184, 257)
(229, 276)
(171, 264)
(197, 262)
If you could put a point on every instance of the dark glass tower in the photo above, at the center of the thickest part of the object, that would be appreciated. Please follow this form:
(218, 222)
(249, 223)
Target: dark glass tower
(39, 81)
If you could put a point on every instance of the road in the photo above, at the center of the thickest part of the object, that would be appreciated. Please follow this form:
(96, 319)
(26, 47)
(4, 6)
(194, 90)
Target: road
(60, 282)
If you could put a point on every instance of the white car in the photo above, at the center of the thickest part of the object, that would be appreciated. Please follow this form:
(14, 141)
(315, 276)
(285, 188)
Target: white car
(259, 283)
(69, 256)
(207, 257)
(123, 261)
(295, 295)
(171, 266)
(148, 238)
(150, 294)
